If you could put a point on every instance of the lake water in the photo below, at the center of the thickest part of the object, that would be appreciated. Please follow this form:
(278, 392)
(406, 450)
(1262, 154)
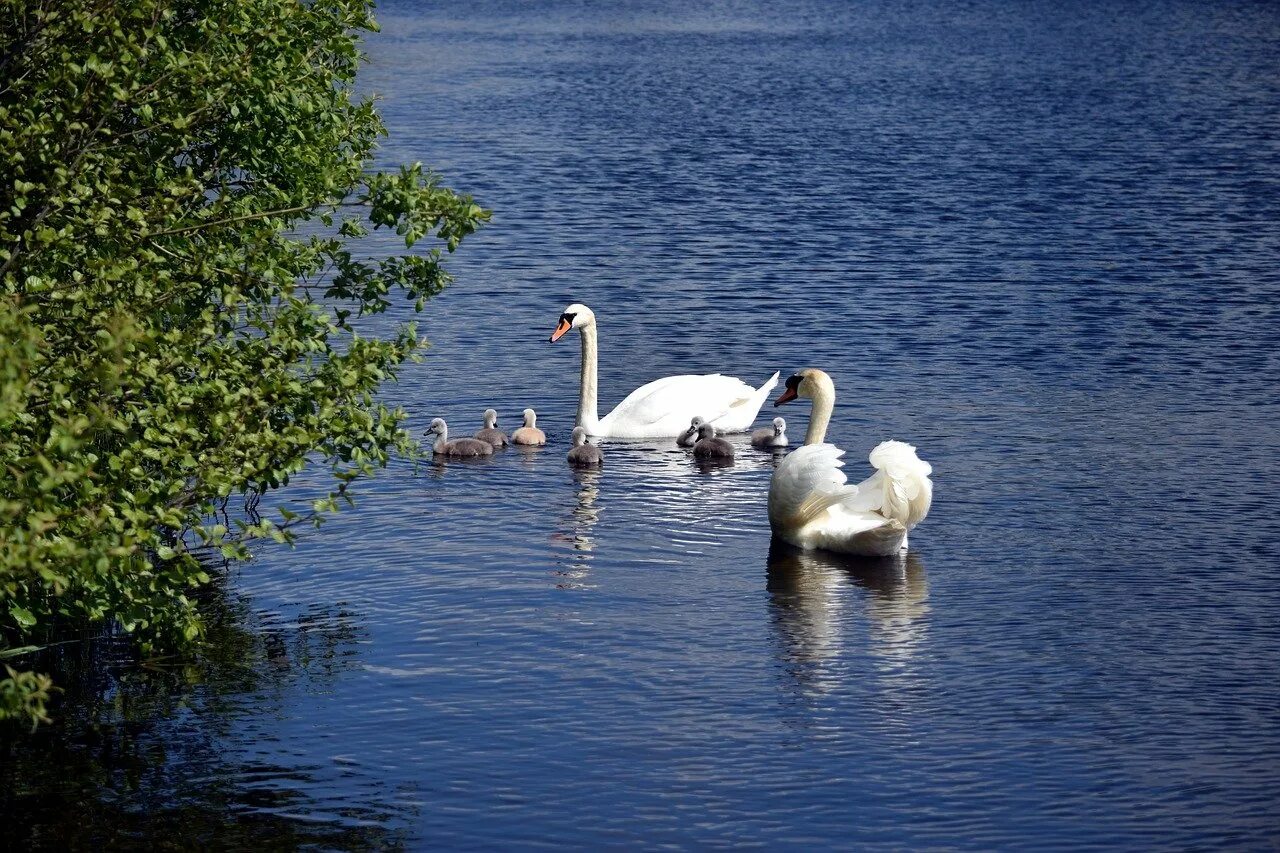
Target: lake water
(1038, 240)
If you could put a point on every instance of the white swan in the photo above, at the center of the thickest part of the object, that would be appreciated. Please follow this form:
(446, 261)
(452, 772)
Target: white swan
(811, 507)
(664, 407)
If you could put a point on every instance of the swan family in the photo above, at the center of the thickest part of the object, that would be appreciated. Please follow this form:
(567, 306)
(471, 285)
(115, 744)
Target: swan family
(811, 505)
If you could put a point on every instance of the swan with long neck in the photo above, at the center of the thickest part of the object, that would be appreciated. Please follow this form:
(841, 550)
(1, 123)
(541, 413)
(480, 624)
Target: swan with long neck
(664, 407)
(810, 504)
(818, 387)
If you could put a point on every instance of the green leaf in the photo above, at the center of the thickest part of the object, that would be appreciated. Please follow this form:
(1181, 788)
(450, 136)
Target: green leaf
(22, 616)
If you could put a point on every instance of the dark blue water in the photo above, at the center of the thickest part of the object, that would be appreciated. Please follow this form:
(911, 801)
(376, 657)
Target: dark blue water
(1040, 241)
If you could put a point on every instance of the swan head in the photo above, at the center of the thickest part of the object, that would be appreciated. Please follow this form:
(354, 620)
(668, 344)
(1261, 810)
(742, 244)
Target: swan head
(490, 418)
(807, 383)
(437, 427)
(576, 316)
(530, 417)
(579, 436)
(706, 430)
(779, 426)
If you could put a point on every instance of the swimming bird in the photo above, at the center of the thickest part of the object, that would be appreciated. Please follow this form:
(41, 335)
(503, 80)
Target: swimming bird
(810, 504)
(771, 437)
(490, 432)
(710, 447)
(459, 447)
(529, 433)
(582, 454)
(662, 408)
(690, 436)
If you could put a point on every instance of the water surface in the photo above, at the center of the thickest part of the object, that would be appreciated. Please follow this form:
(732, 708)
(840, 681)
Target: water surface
(1038, 241)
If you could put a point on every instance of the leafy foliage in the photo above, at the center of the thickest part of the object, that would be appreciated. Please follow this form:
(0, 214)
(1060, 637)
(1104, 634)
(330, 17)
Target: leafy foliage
(168, 337)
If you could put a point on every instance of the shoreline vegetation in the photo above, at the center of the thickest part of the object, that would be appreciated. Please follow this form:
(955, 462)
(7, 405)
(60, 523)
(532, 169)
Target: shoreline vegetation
(169, 342)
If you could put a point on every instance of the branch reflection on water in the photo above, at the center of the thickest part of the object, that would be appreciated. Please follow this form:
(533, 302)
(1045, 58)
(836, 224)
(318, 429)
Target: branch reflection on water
(811, 607)
(147, 750)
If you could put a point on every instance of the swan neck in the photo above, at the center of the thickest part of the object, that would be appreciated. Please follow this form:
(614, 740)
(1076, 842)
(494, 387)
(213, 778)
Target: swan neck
(442, 438)
(587, 414)
(824, 400)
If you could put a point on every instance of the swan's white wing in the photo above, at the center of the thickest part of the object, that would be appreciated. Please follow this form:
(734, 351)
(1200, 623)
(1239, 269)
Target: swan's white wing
(665, 406)
(807, 483)
(900, 489)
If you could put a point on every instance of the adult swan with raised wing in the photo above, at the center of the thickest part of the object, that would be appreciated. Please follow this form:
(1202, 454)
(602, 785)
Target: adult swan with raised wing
(811, 506)
(664, 407)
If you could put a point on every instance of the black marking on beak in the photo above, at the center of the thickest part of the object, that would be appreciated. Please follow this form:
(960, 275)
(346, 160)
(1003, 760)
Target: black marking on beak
(792, 391)
(563, 325)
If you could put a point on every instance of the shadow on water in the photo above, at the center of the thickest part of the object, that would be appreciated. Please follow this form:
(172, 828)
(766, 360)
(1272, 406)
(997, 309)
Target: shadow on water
(160, 753)
(815, 614)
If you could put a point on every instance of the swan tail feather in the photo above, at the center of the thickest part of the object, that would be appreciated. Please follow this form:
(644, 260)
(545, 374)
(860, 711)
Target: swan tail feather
(757, 401)
(741, 414)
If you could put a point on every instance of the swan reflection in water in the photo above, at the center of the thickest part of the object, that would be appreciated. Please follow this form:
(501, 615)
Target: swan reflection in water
(584, 515)
(711, 464)
(813, 600)
(437, 467)
(652, 484)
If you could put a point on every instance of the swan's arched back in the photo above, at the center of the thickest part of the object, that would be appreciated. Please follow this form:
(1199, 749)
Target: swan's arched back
(810, 504)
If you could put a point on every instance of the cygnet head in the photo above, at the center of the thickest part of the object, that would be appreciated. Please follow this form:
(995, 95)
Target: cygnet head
(706, 430)
(490, 418)
(576, 316)
(687, 437)
(437, 427)
(779, 426)
(530, 417)
(579, 436)
(807, 383)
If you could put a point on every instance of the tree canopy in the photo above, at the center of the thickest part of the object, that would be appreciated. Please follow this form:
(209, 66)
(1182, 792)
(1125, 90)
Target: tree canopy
(170, 335)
